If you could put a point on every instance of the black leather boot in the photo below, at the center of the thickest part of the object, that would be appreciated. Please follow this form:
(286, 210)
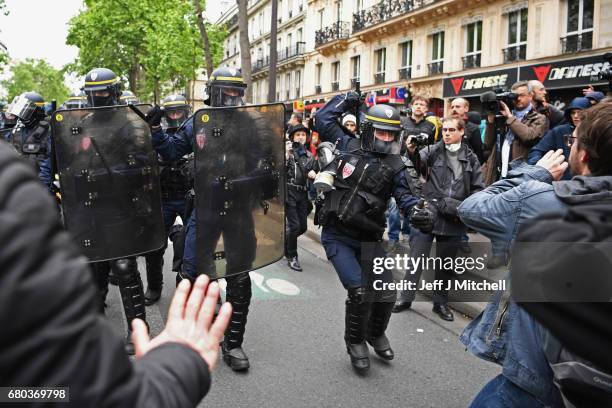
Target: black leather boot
(380, 315)
(356, 317)
(132, 293)
(155, 277)
(239, 295)
(177, 237)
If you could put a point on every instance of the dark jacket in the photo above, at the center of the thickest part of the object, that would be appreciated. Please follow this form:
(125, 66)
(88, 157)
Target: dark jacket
(52, 332)
(472, 138)
(300, 163)
(412, 127)
(447, 191)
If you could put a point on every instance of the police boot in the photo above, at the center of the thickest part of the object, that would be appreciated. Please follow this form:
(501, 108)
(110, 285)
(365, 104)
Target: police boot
(379, 320)
(239, 295)
(155, 277)
(132, 294)
(177, 237)
(100, 271)
(356, 318)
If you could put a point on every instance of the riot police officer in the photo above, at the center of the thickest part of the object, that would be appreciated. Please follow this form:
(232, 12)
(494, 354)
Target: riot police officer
(225, 87)
(103, 88)
(77, 100)
(368, 171)
(128, 98)
(175, 179)
(31, 135)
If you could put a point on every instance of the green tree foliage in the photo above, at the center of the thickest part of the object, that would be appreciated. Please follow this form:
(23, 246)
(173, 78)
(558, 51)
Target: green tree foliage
(155, 44)
(36, 75)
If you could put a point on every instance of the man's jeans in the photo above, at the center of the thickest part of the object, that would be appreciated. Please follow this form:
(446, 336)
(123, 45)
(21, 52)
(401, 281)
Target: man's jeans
(394, 221)
(503, 393)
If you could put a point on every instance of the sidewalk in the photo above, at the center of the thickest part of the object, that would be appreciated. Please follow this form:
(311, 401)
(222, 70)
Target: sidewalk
(471, 309)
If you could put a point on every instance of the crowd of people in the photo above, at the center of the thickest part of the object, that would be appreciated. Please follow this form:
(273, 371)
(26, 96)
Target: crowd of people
(523, 173)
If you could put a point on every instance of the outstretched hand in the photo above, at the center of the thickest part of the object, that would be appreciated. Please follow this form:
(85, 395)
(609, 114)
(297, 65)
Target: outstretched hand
(190, 321)
(554, 162)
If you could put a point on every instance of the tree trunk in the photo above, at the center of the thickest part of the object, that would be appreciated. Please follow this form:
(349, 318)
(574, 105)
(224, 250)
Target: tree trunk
(273, 53)
(204, 35)
(245, 47)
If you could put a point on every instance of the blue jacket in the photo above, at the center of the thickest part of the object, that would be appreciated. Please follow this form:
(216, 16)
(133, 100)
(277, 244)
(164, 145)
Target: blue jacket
(173, 146)
(505, 333)
(553, 139)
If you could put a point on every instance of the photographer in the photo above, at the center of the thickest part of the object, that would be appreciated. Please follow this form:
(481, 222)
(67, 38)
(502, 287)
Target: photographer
(459, 109)
(453, 173)
(415, 123)
(538, 93)
(301, 168)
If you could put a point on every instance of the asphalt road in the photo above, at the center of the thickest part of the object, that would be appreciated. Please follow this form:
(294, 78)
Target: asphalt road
(294, 340)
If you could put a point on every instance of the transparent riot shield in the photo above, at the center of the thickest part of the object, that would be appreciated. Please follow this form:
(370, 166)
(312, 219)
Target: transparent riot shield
(240, 188)
(109, 181)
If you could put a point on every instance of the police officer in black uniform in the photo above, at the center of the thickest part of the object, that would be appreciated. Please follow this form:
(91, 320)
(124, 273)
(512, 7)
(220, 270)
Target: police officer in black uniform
(31, 135)
(225, 87)
(369, 171)
(103, 88)
(175, 180)
(128, 98)
(301, 169)
(76, 100)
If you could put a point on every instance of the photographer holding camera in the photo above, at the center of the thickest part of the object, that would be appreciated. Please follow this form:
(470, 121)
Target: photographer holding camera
(415, 123)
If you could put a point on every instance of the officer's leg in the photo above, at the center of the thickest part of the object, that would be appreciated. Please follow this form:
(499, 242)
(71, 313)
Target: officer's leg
(100, 272)
(239, 295)
(239, 240)
(344, 253)
(188, 268)
(132, 294)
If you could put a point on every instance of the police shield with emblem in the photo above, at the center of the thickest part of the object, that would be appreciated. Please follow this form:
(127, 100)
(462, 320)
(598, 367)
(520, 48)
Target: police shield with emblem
(109, 181)
(240, 188)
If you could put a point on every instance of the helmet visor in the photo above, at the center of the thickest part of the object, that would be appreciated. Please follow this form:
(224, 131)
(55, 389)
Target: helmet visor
(223, 95)
(23, 108)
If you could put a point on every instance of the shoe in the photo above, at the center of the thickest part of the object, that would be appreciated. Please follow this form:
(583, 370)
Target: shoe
(129, 346)
(382, 347)
(294, 264)
(464, 247)
(400, 306)
(496, 261)
(235, 358)
(152, 296)
(360, 356)
(442, 310)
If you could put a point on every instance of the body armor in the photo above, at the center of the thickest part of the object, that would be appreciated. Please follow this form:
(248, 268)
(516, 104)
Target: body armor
(31, 143)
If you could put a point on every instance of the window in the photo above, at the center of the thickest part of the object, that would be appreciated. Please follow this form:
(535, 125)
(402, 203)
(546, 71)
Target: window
(517, 36)
(288, 86)
(355, 69)
(318, 69)
(298, 83)
(437, 54)
(339, 10)
(279, 11)
(299, 35)
(406, 60)
(473, 42)
(335, 75)
(579, 30)
(381, 63)
(320, 19)
(261, 23)
(358, 6)
(290, 8)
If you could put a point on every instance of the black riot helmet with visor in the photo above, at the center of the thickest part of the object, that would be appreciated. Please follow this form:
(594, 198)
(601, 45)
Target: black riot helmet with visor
(176, 111)
(102, 87)
(77, 100)
(225, 87)
(29, 107)
(381, 130)
(128, 98)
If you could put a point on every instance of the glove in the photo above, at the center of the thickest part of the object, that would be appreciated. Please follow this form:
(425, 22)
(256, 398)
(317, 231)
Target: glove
(422, 217)
(447, 206)
(352, 99)
(154, 116)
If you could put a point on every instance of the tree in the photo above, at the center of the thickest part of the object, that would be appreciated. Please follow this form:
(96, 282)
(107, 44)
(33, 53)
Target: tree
(245, 47)
(273, 53)
(38, 76)
(204, 35)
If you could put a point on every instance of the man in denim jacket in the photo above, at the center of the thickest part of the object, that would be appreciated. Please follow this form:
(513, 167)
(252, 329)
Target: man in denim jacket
(505, 333)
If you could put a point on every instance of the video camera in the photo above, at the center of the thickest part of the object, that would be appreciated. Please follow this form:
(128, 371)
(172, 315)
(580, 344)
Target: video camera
(419, 140)
(606, 74)
(491, 100)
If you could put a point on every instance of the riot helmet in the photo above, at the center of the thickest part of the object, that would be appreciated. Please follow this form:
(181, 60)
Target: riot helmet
(176, 111)
(28, 107)
(128, 98)
(7, 120)
(103, 87)
(381, 130)
(76, 100)
(225, 87)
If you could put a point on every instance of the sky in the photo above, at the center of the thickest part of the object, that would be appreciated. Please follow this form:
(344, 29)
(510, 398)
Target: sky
(38, 29)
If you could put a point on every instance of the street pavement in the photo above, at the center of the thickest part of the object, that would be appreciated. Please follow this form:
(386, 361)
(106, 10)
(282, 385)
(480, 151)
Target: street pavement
(294, 340)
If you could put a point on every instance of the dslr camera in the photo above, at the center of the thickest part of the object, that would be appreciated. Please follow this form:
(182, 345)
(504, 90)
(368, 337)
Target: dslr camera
(491, 100)
(419, 140)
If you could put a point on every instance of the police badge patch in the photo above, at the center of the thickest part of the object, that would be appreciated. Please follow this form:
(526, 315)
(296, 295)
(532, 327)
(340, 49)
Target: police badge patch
(347, 170)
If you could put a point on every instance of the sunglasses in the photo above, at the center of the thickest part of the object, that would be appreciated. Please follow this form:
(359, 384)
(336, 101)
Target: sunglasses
(569, 140)
(449, 129)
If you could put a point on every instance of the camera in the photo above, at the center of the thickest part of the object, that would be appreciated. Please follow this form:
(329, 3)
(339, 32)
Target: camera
(606, 74)
(491, 100)
(295, 145)
(419, 140)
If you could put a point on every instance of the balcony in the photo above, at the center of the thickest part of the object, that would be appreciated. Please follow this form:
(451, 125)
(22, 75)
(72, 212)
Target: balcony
(405, 73)
(261, 64)
(471, 61)
(435, 68)
(335, 86)
(384, 11)
(379, 78)
(577, 42)
(354, 82)
(293, 51)
(332, 38)
(317, 89)
(515, 53)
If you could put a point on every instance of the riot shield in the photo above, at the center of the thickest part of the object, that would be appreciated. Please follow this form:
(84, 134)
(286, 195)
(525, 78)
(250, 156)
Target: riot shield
(109, 181)
(240, 188)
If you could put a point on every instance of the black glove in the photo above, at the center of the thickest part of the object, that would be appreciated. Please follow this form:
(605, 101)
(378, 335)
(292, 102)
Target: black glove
(422, 218)
(447, 206)
(352, 99)
(154, 116)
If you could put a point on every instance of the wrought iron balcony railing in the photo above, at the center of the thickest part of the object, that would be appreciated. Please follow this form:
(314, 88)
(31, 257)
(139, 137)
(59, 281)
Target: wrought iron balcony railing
(337, 31)
(379, 78)
(293, 51)
(385, 10)
(515, 53)
(435, 67)
(260, 64)
(577, 42)
(335, 86)
(471, 61)
(405, 73)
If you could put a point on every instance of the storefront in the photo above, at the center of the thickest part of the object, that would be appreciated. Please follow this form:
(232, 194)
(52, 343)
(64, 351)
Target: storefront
(471, 87)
